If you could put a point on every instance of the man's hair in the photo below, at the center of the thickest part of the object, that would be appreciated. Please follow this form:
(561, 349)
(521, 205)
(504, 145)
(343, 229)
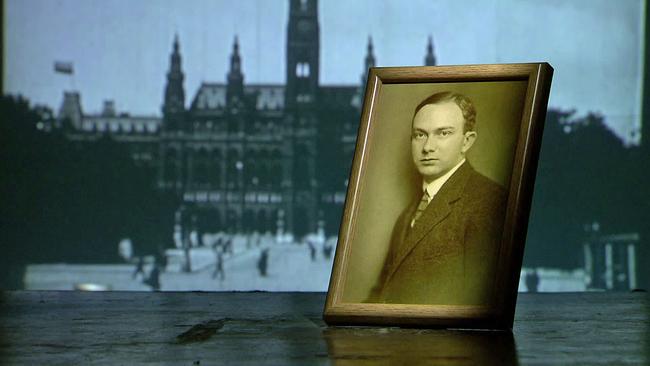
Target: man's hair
(464, 103)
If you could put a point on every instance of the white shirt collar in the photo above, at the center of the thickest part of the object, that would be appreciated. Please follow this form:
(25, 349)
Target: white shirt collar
(434, 187)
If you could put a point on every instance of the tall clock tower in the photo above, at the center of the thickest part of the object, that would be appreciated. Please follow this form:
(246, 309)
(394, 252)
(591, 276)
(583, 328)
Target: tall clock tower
(302, 53)
(301, 94)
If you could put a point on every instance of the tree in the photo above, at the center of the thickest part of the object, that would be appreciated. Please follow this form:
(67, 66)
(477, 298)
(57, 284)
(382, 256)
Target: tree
(583, 177)
(67, 201)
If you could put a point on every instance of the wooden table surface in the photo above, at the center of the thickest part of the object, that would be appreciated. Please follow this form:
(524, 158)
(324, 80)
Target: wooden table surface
(257, 328)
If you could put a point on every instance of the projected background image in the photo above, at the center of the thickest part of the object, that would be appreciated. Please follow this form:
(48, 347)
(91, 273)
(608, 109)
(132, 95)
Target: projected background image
(207, 146)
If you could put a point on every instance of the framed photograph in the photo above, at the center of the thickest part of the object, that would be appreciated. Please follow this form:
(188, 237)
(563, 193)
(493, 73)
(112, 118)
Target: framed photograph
(439, 196)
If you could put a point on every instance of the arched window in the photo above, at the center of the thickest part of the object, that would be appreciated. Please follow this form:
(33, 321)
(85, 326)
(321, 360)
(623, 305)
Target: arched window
(233, 168)
(214, 169)
(275, 172)
(300, 221)
(216, 221)
(170, 169)
(301, 173)
(302, 69)
(201, 167)
(265, 221)
(251, 168)
(250, 222)
(231, 220)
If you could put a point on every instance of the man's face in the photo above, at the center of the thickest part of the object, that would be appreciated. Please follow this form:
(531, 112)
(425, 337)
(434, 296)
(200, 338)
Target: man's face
(437, 140)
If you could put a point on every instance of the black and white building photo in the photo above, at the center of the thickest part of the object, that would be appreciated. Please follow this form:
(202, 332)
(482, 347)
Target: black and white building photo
(208, 145)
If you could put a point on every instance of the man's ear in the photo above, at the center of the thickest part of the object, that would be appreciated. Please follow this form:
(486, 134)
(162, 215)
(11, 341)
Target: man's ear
(468, 140)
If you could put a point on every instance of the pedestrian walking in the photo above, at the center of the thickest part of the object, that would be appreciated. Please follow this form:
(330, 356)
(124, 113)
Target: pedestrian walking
(262, 263)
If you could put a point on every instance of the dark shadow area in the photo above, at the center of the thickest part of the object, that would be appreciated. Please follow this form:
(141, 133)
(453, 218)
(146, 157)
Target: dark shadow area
(588, 184)
(67, 201)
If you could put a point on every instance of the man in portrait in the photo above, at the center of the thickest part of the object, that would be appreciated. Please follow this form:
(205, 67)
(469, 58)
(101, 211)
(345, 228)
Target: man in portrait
(445, 245)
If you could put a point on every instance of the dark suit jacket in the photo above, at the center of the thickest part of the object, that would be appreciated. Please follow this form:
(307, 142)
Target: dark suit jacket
(449, 256)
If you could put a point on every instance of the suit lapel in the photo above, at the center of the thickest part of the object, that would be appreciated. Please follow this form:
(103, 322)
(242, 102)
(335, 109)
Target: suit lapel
(437, 211)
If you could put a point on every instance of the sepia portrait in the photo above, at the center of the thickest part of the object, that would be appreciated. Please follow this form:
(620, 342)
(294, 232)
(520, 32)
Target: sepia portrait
(436, 195)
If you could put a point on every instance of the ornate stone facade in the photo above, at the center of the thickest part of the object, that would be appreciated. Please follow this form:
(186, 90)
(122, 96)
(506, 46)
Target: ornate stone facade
(253, 157)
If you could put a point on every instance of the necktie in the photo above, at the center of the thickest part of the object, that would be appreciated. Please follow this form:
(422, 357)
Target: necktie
(421, 207)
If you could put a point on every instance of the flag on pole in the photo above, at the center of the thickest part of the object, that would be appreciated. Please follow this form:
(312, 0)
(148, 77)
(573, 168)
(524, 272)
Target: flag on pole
(63, 67)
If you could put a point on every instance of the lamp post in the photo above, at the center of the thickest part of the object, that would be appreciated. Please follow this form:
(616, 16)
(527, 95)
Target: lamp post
(239, 165)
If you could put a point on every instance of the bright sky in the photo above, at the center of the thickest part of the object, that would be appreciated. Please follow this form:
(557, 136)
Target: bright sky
(120, 48)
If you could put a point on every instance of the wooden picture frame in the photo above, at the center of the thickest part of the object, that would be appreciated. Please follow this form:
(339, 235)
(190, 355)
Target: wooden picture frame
(454, 262)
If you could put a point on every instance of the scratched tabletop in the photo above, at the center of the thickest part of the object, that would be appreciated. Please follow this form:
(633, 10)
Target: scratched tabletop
(260, 328)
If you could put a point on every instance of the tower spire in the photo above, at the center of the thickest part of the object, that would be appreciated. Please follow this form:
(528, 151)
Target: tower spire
(430, 58)
(235, 89)
(369, 62)
(174, 99)
(235, 59)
